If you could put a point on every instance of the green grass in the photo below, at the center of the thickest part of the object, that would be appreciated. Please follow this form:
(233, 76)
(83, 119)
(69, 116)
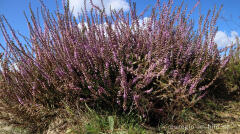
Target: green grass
(209, 116)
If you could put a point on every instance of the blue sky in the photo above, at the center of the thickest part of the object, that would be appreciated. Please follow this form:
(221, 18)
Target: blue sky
(228, 23)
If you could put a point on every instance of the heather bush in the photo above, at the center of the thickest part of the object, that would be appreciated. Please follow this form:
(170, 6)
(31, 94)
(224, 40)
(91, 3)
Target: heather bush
(155, 68)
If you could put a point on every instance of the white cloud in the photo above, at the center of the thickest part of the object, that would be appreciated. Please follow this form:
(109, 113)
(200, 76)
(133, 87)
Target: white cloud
(145, 20)
(143, 24)
(77, 5)
(99, 26)
(80, 25)
(223, 40)
(12, 67)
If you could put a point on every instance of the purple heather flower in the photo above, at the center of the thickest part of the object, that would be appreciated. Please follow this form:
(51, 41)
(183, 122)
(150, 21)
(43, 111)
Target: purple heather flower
(59, 72)
(175, 74)
(148, 91)
(193, 86)
(186, 79)
(20, 100)
(82, 99)
(34, 88)
(69, 66)
(136, 99)
(163, 71)
(101, 91)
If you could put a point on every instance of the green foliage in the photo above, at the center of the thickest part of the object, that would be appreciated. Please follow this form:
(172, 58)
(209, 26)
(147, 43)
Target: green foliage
(90, 121)
(232, 73)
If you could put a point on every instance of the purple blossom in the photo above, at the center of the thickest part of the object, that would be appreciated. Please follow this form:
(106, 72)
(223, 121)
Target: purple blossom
(34, 88)
(148, 91)
(60, 73)
(187, 79)
(20, 100)
(175, 73)
(101, 91)
(136, 99)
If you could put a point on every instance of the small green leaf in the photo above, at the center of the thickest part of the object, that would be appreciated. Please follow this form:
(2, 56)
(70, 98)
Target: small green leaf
(68, 131)
(111, 122)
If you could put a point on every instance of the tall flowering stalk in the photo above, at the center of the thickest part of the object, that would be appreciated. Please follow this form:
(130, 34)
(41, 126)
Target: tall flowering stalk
(154, 66)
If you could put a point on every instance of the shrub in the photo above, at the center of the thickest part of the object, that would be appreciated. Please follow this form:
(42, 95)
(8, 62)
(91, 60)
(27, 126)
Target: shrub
(232, 73)
(155, 68)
